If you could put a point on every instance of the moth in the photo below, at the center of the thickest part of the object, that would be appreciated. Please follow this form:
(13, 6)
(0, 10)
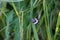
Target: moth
(36, 20)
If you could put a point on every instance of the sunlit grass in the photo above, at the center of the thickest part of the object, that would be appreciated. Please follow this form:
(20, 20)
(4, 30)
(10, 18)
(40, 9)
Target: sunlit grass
(16, 24)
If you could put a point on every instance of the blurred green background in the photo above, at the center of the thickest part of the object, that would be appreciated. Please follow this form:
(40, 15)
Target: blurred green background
(16, 24)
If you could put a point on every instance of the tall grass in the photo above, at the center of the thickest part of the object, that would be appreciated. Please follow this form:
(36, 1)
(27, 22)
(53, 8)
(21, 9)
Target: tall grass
(16, 20)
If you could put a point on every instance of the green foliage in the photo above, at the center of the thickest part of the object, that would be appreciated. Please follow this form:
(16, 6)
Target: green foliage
(16, 20)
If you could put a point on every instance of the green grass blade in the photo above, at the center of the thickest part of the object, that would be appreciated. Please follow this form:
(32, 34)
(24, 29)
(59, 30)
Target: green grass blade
(35, 32)
(8, 20)
(46, 21)
(57, 26)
